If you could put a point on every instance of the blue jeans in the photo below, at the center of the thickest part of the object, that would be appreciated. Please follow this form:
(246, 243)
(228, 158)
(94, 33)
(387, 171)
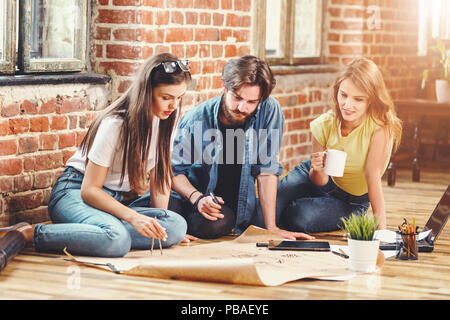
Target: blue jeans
(85, 230)
(303, 206)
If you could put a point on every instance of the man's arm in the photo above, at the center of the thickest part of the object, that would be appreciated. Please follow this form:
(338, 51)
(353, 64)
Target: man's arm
(184, 188)
(206, 206)
(267, 192)
(267, 172)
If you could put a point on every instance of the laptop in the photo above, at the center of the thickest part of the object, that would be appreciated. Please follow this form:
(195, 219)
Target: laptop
(435, 223)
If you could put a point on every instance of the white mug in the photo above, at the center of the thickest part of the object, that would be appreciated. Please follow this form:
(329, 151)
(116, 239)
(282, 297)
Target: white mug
(335, 162)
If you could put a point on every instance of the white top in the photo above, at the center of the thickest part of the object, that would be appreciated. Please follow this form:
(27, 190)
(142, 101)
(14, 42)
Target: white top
(106, 151)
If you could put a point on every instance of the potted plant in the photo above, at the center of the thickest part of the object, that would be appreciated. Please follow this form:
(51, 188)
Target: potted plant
(363, 249)
(443, 80)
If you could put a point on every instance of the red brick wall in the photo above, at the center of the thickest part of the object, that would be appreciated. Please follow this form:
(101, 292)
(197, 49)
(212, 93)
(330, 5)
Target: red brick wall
(206, 32)
(40, 128)
(303, 97)
(383, 30)
(38, 135)
(352, 27)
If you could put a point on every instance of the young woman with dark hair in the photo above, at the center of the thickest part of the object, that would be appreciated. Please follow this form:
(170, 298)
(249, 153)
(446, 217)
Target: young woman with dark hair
(127, 150)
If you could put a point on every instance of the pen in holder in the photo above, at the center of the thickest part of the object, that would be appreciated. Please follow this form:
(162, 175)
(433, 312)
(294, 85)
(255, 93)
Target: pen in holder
(407, 246)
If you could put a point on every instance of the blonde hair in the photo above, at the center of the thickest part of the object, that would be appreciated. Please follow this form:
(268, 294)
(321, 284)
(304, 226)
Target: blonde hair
(365, 74)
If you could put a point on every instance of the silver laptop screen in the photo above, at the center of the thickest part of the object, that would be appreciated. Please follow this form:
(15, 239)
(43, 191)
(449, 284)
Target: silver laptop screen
(439, 217)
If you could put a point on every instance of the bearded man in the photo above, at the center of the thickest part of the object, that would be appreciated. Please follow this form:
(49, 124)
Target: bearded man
(222, 147)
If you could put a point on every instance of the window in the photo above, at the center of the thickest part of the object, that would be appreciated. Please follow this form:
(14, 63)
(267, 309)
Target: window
(289, 31)
(7, 34)
(433, 23)
(42, 36)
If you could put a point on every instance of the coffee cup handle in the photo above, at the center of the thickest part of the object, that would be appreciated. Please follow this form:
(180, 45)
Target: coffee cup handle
(325, 154)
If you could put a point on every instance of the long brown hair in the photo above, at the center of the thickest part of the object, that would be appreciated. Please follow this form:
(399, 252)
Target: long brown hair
(135, 108)
(365, 74)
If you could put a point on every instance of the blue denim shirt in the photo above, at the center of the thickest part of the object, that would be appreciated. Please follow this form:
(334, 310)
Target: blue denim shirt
(200, 126)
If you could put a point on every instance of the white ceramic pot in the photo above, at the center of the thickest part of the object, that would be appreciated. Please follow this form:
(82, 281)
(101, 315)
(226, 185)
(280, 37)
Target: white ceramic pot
(442, 91)
(363, 255)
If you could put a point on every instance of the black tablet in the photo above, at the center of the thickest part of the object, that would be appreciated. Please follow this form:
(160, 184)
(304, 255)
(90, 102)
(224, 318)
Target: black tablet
(299, 245)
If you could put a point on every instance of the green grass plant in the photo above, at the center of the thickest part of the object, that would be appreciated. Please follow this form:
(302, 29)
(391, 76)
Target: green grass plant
(360, 226)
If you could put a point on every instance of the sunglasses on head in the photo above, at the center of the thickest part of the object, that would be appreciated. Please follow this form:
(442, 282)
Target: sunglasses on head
(171, 66)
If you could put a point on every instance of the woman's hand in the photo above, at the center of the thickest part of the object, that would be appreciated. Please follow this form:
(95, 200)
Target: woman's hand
(147, 226)
(318, 161)
(209, 209)
(316, 174)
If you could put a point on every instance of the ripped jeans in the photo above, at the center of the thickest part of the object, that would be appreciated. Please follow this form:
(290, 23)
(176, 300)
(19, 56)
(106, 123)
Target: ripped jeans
(303, 206)
(88, 231)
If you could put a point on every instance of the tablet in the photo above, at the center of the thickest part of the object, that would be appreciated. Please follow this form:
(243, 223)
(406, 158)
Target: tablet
(299, 245)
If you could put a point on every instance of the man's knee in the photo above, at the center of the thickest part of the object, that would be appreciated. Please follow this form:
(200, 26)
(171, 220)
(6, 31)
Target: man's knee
(208, 229)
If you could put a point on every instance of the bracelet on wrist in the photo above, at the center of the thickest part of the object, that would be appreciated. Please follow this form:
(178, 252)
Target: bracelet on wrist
(197, 201)
(189, 198)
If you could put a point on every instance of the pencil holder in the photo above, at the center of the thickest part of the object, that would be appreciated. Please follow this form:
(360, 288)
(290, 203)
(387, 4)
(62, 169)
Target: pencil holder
(407, 247)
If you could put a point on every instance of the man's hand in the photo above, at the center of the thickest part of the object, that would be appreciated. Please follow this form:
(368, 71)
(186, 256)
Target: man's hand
(292, 235)
(188, 238)
(209, 209)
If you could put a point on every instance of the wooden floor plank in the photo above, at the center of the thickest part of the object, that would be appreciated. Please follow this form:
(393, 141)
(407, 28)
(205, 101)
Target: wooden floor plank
(49, 276)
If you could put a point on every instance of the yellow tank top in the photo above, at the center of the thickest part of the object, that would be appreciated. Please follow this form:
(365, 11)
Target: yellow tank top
(356, 144)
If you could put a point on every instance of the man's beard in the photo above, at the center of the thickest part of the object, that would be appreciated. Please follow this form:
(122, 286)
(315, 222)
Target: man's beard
(230, 116)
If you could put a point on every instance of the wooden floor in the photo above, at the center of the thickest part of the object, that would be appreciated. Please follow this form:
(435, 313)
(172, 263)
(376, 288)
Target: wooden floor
(31, 276)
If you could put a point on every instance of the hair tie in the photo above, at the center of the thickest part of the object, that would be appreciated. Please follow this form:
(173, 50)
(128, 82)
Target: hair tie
(189, 198)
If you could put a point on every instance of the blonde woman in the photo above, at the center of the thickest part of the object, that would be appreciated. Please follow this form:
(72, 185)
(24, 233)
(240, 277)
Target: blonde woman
(363, 123)
(127, 148)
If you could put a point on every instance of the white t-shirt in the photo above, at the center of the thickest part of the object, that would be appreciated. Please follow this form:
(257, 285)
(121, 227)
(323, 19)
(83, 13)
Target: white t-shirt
(106, 151)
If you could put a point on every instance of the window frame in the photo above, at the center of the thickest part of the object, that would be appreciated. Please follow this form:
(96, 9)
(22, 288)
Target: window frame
(8, 61)
(22, 63)
(287, 35)
(428, 31)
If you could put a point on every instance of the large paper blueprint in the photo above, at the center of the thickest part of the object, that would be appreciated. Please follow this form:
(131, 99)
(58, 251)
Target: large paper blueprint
(238, 261)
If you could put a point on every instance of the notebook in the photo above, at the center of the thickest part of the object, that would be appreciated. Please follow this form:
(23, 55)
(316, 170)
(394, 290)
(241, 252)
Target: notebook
(435, 223)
